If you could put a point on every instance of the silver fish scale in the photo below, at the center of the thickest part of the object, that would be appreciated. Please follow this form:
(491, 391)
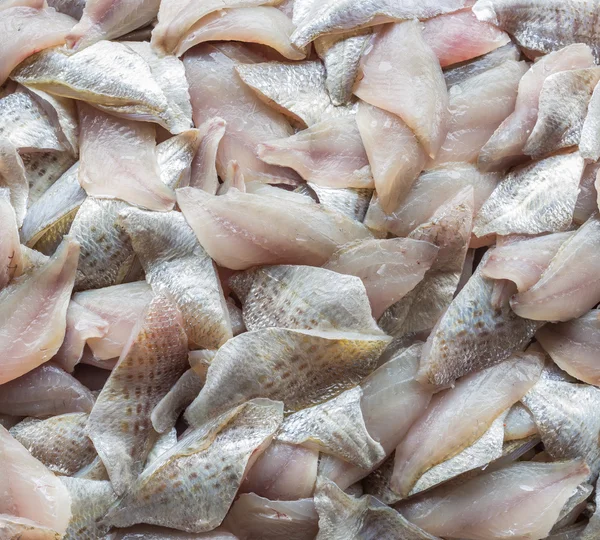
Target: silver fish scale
(353, 203)
(43, 169)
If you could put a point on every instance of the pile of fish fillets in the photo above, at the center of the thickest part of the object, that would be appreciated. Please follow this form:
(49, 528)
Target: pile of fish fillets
(299, 269)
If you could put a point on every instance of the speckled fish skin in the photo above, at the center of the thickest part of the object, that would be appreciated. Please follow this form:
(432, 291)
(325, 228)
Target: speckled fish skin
(304, 298)
(574, 346)
(119, 423)
(11, 263)
(109, 19)
(319, 365)
(42, 170)
(335, 17)
(215, 457)
(546, 27)
(388, 268)
(519, 423)
(562, 111)
(174, 261)
(341, 55)
(164, 442)
(29, 337)
(505, 147)
(414, 90)
(309, 238)
(523, 260)
(15, 527)
(395, 155)
(566, 419)
(342, 516)
(330, 153)
(203, 174)
(449, 229)
(254, 517)
(31, 491)
(478, 508)
(348, 201)
(463, 413)
(473, 333)
(45, 391)
(26, 30)
(59, 442)
(296, 90)
(565, 291)
(13, 176)
(108, 74)
(537, 198)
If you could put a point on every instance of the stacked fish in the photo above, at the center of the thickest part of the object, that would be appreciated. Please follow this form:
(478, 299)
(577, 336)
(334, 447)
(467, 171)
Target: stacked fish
(298, 269)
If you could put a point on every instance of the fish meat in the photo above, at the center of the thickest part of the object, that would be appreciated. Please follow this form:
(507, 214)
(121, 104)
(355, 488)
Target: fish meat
(519, 424)
(562, 111)
(588, 143)
(449, 229)
(42, 170)
(537, 198)
(26, 30)
(11, 263)
(477, 508)
(389, 269)
(494, 390)
(30, 337)
(348, 201)
(395, 155)
(152, 361)
(174, 262)
(414, 89)
(505, 147)
(475, 332)
(523, 260)
(118, 160)
(13, 177)
(573, 346)
(543, 28)
(215, 457)
(15, 527)
(303, 298)
(45, 391)
(565, 292)
(73, 8)
(300, 367)
(59, 442)
(109, 19)
(311, 238)
(203, 174)
(260, 24)
(30, 490)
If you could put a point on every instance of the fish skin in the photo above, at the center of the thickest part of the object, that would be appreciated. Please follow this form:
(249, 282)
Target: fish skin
(174, 261)
(303, 298)
(94, 471)
(298, 90)
(593, 527)
(91, 499)
(477, 107)
(505, 147)
(200, 360)
(468, 511)
(574, 506)
(395, 155)
(348, 201)
(335, 16)
(155, 357)
(481, 397)
(26, 30)
(388, 268)
(254, 517)
(149, 532)
(260, 24)
(101, 135)
(588, 143)
(164, 442)
(534, 199)
(414, 90)
(573, 346)
(315, 232)
(13, 176)
(221, 450)
(564, 414)
(15, 527)
(11, 260)
(541, 28)
(562, 111)
(449, 229)
(31, 491)
(73, 8)
(342, 516)
(524, 259)
(184, 391)
(473, 334)
(321, 365)
(203, 173)
(519, 423)
(43, 170)
(45, 391)
(110, 19)
(51, 285)
(59, 442)
(553, 297)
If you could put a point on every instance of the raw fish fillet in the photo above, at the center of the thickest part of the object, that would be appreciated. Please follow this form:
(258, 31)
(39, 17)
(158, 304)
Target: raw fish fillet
(11, 264)
(203, 173)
